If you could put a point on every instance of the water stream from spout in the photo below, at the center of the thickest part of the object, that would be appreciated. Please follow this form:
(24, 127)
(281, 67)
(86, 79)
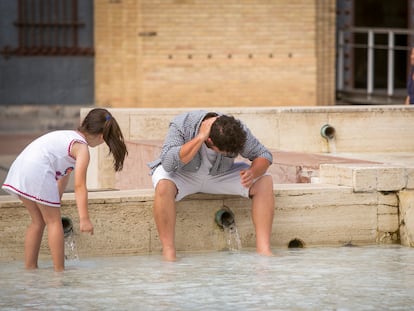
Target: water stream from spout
(331, 145)
(71, 251)
(232, 238)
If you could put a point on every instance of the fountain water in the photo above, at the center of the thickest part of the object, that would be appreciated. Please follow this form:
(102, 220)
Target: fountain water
(71, 252)
(233, 238)
(309, 278)
(332, 145)
(225, 219)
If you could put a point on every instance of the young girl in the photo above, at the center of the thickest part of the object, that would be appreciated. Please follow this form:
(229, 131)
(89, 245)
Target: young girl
(40, 173)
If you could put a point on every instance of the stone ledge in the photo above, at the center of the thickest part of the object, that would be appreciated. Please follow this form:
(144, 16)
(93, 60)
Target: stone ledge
(317, 214)
(367, 177)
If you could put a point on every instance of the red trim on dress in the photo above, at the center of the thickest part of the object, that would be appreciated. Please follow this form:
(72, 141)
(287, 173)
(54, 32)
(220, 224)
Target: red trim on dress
(30, 196)
(71, 144)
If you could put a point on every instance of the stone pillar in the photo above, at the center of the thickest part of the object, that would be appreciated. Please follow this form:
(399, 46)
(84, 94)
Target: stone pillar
(407, 217)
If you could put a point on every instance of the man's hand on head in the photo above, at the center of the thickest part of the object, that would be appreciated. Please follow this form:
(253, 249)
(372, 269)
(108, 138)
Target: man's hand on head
(205, 127)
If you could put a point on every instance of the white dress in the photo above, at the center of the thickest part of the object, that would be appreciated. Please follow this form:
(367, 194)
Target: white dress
(37, 168)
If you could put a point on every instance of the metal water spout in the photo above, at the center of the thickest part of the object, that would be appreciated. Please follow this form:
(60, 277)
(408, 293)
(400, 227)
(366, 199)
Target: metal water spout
(67, 226)
(328, 132)
(224, 218)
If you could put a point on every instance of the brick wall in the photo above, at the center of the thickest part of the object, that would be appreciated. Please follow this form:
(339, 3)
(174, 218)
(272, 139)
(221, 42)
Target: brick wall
(190, 53)
(325, 52)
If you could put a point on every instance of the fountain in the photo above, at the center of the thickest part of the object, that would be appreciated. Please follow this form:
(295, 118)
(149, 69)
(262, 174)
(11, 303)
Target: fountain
(71, 252)
(328, 132)
(225, 219)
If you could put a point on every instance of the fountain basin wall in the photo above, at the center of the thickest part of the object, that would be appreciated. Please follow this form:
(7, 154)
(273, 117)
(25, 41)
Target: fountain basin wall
(316, 214)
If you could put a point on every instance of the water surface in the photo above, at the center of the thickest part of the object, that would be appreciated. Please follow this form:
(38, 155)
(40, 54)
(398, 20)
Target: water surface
(346, 278)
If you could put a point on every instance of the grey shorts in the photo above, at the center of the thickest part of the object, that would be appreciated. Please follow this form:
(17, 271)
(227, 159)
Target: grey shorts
(194, 182)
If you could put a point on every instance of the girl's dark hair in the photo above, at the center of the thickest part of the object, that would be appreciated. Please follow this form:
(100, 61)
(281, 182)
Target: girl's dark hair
(228, 135)
(100, 121)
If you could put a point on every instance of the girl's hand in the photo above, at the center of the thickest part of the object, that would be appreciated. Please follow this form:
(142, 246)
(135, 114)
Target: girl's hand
(86, 226)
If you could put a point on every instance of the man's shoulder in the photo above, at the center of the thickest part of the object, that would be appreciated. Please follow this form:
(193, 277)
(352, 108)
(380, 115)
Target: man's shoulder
(193, 113)
(190, 116)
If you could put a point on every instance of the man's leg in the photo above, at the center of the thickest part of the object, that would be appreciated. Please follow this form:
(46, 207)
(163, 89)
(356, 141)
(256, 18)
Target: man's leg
(165, 216)
(262, 213)
(262, 196)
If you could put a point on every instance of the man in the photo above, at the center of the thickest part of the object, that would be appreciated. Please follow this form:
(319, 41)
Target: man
(198, 156)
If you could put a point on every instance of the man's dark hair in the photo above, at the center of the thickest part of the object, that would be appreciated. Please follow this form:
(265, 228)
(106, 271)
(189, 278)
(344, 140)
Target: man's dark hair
(228, 135)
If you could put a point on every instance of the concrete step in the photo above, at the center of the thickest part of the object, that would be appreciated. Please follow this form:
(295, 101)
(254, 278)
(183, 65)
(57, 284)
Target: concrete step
(366, 177)
(38, 119)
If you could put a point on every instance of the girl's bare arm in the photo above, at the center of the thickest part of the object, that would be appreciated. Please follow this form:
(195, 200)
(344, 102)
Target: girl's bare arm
(81, 152)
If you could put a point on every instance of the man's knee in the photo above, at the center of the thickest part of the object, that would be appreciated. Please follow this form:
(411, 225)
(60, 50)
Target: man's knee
(262, 185)
(165, 187)
(269, 181)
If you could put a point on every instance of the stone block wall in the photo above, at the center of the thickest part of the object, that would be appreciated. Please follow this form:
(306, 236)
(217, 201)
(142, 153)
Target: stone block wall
(316, 215)
(406, 219)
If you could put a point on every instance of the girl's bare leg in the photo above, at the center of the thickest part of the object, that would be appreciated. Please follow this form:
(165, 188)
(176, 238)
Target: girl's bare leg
(53, 220)
(34, 234)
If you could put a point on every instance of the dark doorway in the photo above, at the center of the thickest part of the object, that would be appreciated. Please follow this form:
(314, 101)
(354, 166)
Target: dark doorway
(380, 14)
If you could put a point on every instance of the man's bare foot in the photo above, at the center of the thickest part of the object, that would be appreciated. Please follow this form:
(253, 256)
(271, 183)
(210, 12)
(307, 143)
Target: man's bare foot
(169, 254)
(265, 252)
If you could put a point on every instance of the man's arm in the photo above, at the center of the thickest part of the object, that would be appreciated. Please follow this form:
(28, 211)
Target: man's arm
(257, 168)
(260, 158)
(190, 149)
